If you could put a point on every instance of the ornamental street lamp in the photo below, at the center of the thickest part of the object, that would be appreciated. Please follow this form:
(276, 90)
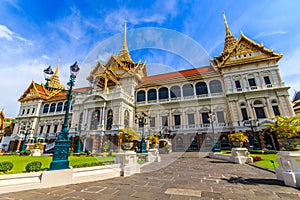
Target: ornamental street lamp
(23, 147)
(212, 119)
(78, 141)
(62, 144)
(141, 120)
(252, 140)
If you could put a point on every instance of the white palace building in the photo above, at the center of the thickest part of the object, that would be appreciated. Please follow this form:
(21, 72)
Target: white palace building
(239, 91)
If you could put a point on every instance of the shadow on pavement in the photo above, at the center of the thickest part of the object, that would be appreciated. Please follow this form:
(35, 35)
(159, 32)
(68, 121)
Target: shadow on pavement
(253, 181)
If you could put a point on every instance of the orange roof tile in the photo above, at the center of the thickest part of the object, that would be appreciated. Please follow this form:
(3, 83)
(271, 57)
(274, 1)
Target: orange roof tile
(176, 74)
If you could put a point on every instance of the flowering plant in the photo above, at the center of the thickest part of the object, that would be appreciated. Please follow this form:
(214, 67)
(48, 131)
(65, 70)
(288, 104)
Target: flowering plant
(238, 137)
(153, 139)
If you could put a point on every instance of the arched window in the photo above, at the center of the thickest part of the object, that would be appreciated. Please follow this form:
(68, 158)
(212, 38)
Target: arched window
(95, 119)
(109, 120)
(201, 88)
(163, 93)
(46, 108)
(141, 96)
(259, 109)
(244, 111)
(65, 106)
(175, 92)
(80, 121)
(52, 107)
(152, 95)
(275, 107)
(215, 86)
(126, 118)
(179, 144)
(59, 107)
(188, 90)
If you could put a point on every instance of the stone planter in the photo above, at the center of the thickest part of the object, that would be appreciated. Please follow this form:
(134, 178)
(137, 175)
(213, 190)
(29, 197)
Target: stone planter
(153, 155)
(289, 144)
(128, 162)
(240, 156)
(127, 146)
(36, 152)
(289, 168)
(237, 144)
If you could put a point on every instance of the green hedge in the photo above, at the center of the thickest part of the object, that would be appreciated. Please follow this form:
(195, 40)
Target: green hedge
(25, 152)
(6, 166)
(263, 151)
(92, 164)
(34, 166)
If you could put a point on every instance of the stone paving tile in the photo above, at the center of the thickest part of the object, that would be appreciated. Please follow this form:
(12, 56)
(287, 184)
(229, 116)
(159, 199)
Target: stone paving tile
(212, 179)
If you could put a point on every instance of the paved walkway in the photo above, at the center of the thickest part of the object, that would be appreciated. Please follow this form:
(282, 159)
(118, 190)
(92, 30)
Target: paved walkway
(178, 176)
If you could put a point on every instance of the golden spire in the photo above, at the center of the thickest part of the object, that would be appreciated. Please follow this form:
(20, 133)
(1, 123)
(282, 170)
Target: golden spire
(124, 53)
(124, 47)
(54, 80)
(230, 41)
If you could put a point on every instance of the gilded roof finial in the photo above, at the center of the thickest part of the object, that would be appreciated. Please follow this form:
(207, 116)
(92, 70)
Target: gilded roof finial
(124, 38)
(228, 32)
(230, 41)
(124, 53)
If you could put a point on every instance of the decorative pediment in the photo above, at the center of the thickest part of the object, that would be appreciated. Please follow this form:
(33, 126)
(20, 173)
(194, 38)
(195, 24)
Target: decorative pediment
(164, 113)
(246, 51)
(93, 99)
(242, 51)
(204, 109)
(117, 66)
(30, 93)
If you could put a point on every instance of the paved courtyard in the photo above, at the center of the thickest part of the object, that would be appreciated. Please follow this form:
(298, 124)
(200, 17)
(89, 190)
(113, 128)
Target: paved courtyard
(178, 176)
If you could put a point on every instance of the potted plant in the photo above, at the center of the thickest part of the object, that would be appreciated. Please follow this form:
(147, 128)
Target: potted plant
(238, 139)
(153, 140)
(127, 137)
(287, 130)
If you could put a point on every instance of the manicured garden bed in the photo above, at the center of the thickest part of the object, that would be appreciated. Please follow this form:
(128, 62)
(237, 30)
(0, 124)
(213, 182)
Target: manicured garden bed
(20, 162)
(267, 158)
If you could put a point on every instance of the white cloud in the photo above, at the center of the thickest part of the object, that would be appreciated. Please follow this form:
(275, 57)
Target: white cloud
(290, 70)
(263, 34)
(46, 57)
(9, 35)
(16, 80)
(6, 33)
(158, 13)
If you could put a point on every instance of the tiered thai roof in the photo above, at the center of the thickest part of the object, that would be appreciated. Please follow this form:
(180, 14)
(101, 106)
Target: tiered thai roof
(242, 50)
(40, 91)
(116, 67)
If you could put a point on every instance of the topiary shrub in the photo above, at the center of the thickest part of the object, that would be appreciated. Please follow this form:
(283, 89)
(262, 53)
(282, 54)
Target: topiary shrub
(34, 166)
(6, 166)
(25, 152)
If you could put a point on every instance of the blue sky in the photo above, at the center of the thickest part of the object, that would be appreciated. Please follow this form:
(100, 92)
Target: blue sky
(37, 33)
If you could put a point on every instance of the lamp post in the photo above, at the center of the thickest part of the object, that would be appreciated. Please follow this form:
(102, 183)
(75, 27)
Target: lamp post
(62, 144)
(23, 147)
(141, 120)
(212, 118)
(253, 142)
(78, 141)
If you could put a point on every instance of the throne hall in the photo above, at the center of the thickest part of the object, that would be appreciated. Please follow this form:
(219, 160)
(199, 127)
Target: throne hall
(239, 90)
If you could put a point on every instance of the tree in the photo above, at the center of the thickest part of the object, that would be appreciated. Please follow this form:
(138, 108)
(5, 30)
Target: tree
(285, 127)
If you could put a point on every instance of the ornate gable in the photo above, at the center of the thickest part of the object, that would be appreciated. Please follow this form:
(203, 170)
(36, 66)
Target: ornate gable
(243, 50)
(115, 68)
(246, 51)
(30, 93)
